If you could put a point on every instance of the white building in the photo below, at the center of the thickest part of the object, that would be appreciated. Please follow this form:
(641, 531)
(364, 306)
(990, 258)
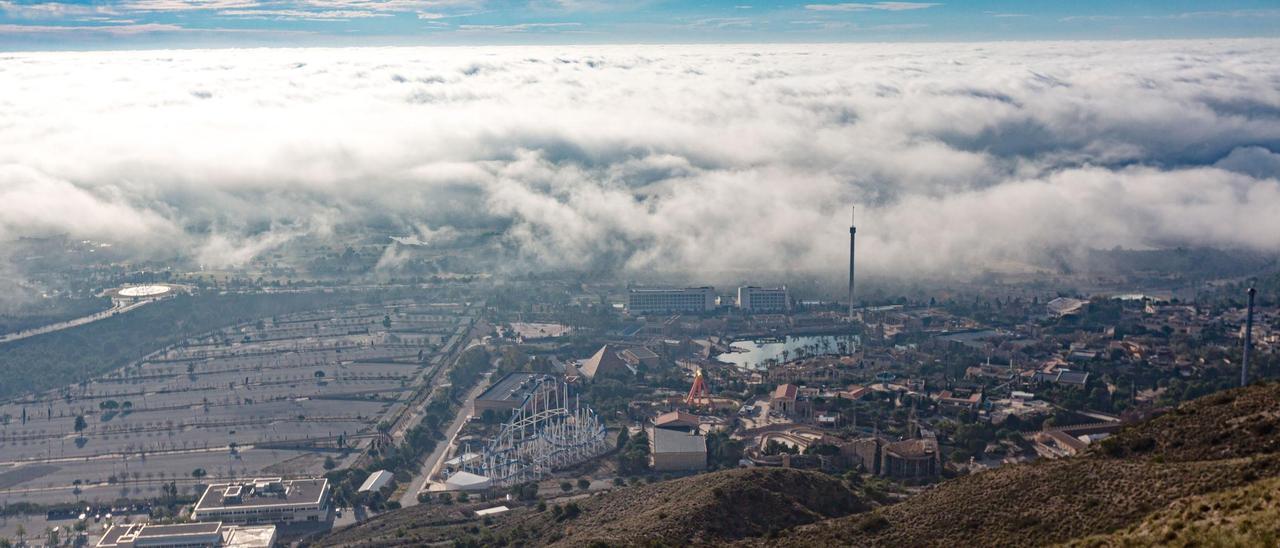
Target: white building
(375, 482)
(763, 299)
(269, 500)
(689, 299)
(188, 535)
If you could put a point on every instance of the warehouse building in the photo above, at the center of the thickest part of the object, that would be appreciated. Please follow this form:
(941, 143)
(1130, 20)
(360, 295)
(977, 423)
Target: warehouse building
(376, 481)
(677, 450)
(506, 394)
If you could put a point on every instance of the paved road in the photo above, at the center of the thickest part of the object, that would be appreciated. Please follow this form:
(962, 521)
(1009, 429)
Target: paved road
(116, 309)
(435, 460)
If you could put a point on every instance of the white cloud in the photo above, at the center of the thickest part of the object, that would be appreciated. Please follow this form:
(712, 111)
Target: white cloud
(185, 5)
(127, 29)
(518, 27)
(304, 15)
(53, 10)
(871, 6)
(703, 159)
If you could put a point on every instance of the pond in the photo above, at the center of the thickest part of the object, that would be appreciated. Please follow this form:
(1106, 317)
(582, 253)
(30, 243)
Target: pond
(756, 353)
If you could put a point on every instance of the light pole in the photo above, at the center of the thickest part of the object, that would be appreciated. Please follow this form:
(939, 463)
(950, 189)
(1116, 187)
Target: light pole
(1248, 339)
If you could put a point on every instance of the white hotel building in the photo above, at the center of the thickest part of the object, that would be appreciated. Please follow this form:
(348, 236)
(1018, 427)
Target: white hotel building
(689, 299)
(763, 299)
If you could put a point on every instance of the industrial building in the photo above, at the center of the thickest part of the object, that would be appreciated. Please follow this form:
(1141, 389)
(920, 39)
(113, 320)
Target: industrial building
(188, 535)
(753, 299)
(689, 299)
(677, 450)
(269, 500)
(506, 394)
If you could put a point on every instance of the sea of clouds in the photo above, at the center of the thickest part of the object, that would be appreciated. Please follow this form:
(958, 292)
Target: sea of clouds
(960, 157)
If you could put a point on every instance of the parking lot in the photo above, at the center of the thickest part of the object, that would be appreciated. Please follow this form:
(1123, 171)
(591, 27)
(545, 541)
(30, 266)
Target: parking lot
(269, 397)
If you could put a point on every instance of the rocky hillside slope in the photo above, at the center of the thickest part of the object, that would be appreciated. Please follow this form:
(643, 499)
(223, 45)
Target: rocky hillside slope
(1221, 442)
(708, 509)
(1208, 469)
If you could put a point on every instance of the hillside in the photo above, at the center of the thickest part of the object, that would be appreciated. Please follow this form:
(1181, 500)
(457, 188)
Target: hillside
(1222, 441)
(707, 509)
(1201, 470)
(1245, 516)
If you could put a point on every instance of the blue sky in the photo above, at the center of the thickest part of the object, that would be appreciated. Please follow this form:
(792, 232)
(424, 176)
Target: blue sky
(126, 24)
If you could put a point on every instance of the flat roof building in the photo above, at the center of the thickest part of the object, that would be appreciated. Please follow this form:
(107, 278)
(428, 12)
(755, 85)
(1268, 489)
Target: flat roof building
(183, 535)
(677, 451)
(506, 394)
(376, 481)
(763, 299)
(265, 500)
(689, 299)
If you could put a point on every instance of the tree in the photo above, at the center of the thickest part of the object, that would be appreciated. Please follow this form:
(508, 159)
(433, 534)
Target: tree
(584, 483)
(329, 463)
(634, 456)
(566, 486)
(80, 424)
(386, 321)
(199, 473)
(623, 436)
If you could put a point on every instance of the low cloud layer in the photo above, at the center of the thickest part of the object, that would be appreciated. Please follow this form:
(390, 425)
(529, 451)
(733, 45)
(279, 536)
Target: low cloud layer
(682, 159)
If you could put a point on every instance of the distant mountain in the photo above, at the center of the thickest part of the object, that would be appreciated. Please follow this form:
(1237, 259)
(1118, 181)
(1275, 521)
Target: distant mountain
(1209, 469)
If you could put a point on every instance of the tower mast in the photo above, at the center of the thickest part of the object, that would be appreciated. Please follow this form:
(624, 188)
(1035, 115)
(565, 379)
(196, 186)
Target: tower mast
(1248, 339)
(853, 230)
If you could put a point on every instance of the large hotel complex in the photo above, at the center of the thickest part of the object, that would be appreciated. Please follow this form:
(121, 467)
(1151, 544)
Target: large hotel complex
(750, 299)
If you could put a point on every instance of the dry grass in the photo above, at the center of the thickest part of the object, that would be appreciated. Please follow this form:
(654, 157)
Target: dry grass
(1245, 516)
(1230, 424)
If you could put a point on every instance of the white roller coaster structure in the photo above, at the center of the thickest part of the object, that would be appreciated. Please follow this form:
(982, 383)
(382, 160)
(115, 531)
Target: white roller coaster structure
(548, 431)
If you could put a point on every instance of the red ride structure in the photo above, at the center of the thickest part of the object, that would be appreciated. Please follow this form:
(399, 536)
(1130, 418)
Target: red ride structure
(699, 394)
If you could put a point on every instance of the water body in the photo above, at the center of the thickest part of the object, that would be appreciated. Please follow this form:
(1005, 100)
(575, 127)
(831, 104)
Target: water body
(756, 353)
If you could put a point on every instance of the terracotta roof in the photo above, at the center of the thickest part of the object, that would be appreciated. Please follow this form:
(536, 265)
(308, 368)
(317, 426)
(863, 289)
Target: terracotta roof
(913, 449)
(676, 418)
(786, 391)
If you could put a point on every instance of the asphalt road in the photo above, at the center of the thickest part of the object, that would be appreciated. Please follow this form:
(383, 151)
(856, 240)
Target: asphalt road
(436, 459)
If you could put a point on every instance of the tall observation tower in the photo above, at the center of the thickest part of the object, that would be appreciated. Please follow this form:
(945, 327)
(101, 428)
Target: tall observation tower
(853, 231)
